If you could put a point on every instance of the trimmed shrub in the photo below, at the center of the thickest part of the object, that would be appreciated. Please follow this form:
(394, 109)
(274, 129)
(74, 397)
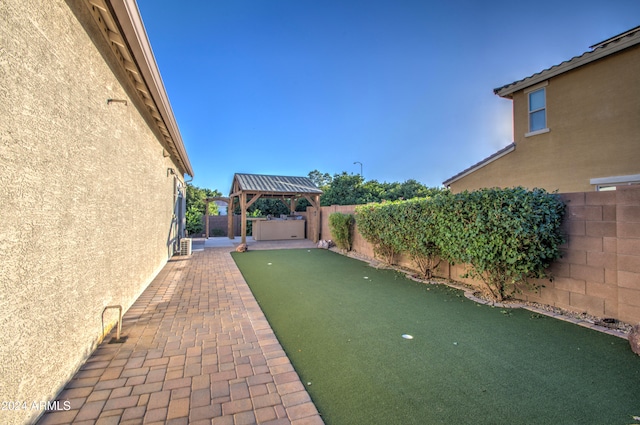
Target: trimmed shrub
(341, 226)
(507, 236)
(417, 229)
(378, 225)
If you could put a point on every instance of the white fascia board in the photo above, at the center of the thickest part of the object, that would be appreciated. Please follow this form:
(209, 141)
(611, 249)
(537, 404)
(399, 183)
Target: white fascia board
(616, 179)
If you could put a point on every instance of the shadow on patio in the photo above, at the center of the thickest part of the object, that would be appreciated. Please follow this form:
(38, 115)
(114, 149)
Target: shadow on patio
(199, 351)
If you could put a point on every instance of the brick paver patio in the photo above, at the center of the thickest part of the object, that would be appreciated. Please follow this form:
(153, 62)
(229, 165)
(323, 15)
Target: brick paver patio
(199, 351)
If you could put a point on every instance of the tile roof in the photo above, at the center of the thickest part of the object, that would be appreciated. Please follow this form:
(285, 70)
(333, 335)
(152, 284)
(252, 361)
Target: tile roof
(604, 48)
(275, 184)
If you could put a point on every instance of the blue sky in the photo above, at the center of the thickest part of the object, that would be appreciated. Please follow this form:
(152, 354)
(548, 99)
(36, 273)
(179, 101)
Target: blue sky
(403, 86)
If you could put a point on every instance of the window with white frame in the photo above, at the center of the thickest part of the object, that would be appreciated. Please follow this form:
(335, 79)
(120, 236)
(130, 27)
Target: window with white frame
(537, 110)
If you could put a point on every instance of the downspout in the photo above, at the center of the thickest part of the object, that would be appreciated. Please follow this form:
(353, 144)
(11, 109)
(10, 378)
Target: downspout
(176, 208)
(174, 232)
(184, 204)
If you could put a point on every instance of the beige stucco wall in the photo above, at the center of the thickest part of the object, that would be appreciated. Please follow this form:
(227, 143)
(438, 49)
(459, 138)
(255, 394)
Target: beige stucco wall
(594, 131)
(87, 201)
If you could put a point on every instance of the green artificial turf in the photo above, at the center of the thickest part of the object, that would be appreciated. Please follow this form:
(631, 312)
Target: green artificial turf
(341, 323)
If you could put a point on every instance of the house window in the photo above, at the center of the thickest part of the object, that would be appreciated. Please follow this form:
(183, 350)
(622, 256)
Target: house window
(537, 110)
(602, 188)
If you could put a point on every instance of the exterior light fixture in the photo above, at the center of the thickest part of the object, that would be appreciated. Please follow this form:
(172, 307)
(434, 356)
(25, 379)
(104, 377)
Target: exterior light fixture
(358, 162)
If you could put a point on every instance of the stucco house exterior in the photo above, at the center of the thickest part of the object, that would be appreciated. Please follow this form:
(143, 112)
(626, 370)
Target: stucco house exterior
(576, 125)
(92, 169)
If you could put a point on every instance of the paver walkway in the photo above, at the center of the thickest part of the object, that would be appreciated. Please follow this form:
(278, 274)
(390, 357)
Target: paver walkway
(199, 351)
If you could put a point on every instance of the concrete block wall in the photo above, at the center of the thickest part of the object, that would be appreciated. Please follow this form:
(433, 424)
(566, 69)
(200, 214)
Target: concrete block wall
(600, 269)
(628, 253)
(585, 278)
(359, 244)
(221, 223)
(599, 272)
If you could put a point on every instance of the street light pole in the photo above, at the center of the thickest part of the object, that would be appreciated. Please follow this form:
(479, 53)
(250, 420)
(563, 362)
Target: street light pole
(358, 162)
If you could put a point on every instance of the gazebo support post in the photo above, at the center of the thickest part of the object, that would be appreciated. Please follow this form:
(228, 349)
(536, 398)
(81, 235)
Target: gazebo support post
(316, 234)
(292, 207)
(206, 218)
(315, 203)
(230, 231)
(243, 217)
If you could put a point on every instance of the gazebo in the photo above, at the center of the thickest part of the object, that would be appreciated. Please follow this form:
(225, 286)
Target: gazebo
(248, 188)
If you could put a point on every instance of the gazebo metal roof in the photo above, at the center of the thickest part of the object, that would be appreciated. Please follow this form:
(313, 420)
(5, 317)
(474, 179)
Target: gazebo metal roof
(273, 185)
(248, 188)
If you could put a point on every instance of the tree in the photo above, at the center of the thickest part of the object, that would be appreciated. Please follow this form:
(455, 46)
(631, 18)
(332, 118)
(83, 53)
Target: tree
(268, 206)
(319, 179)
(193, 218)
(345, 189)
(352, 189)
(411, 189)
(196, 207)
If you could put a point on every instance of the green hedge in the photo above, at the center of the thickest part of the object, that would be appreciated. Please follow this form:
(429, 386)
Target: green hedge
(341, 228)
(417, 228)
(378, 224)
(506, 236)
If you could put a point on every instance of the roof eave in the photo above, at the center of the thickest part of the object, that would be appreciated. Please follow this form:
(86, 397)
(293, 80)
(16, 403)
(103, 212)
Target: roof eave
(588, 57)
(497, 155)
(129, 19)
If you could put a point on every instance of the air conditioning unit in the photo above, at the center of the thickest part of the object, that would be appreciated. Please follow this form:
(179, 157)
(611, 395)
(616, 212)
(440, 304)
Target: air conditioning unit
(185, 246)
